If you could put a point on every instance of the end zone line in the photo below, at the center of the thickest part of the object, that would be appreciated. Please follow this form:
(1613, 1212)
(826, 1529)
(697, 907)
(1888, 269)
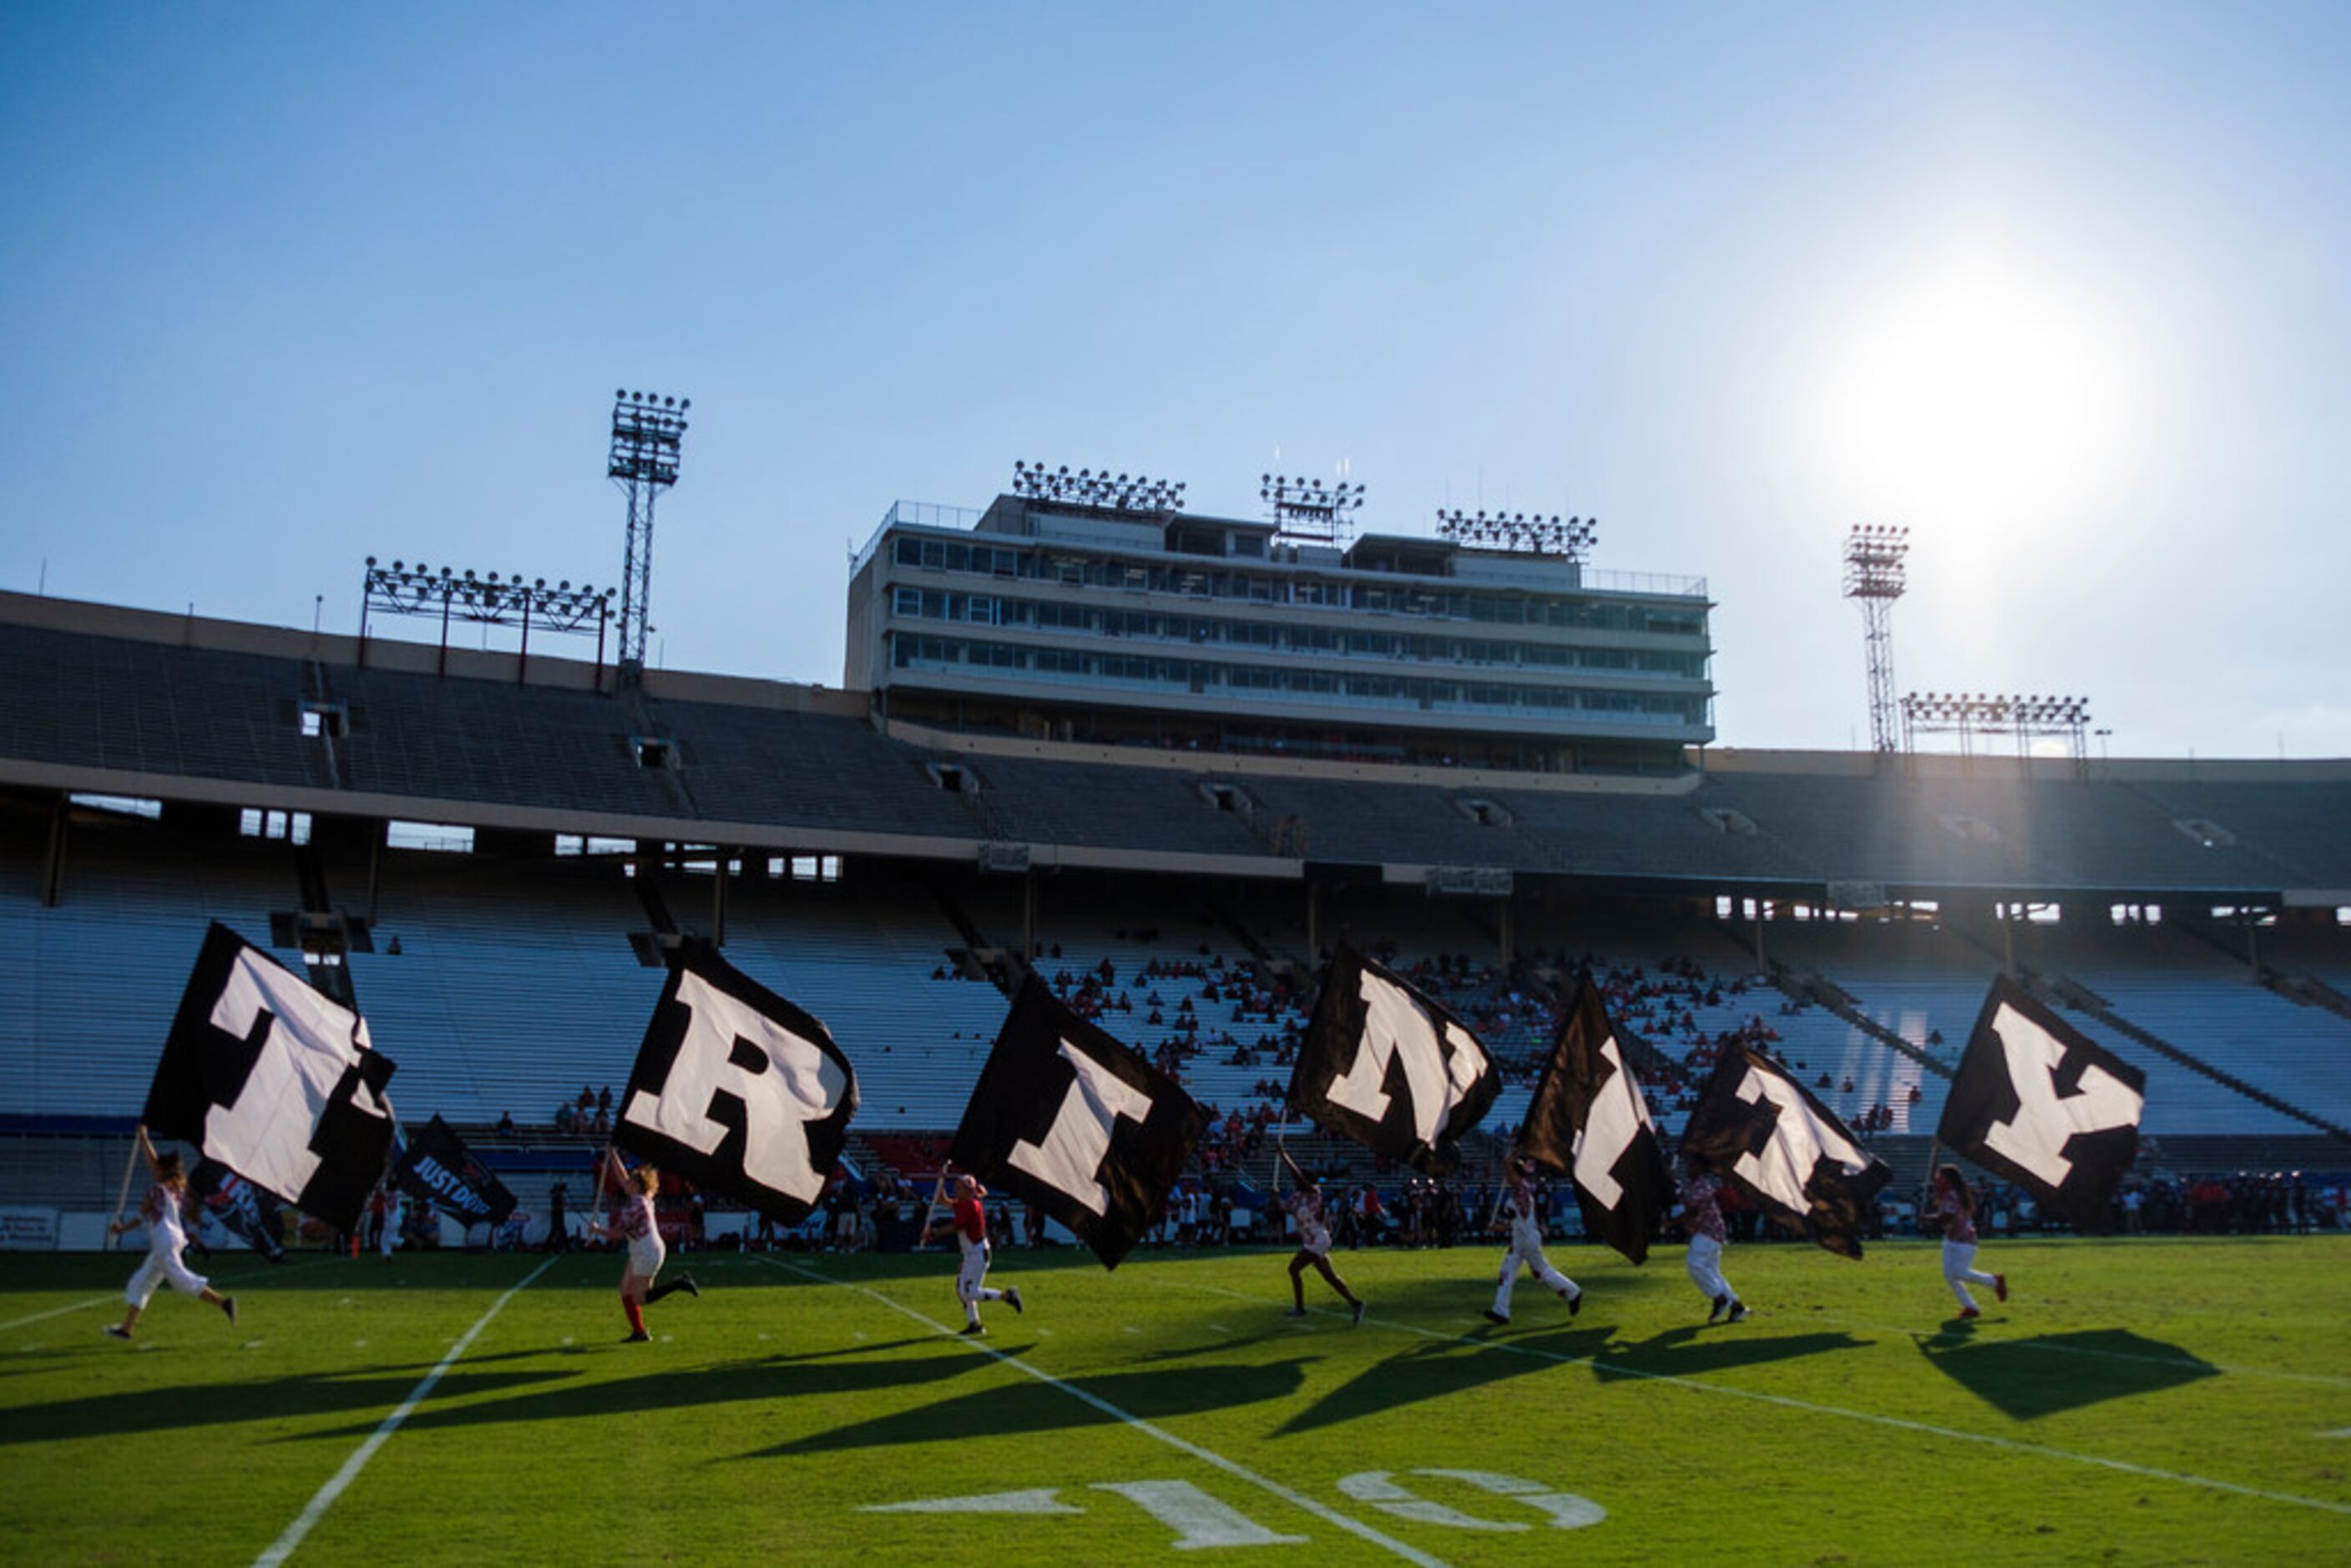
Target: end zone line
(1295, 1498)
(117, 1295)
(1790, 1403)
(283, 1547)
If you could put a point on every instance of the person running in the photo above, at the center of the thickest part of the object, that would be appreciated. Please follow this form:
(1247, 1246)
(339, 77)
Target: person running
(633, 1223)
(1526, 1249)
(1702, 1218)
(387, 1221)
(968, 1218)
(1305, 1205)
(160, 1212)
(1956, 1204)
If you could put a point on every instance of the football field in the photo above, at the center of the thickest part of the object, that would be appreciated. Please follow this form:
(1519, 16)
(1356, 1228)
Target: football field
(2156, 1400)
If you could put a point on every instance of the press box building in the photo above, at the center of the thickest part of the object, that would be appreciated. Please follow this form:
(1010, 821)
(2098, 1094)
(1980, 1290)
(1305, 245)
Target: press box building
(1073, 621)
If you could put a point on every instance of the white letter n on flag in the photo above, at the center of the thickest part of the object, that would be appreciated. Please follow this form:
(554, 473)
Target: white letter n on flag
(1070, 1157)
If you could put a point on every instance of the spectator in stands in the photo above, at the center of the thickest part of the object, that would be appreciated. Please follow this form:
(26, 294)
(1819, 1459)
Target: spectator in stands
(506, 1125)
(161, 1211)
(603, 1104)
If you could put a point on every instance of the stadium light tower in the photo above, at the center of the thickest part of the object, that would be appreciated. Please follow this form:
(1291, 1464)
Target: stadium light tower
(1875, 579)
(647, 431)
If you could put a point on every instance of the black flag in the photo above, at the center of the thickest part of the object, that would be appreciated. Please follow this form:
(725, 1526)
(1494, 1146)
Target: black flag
(1074, 1122)
(736, 1090)
(1391, 1069)
(1762, 1132)
(437, 1168)
(241, 1209)
(2038, 1103)
(1589, 1120)
(275, 1080)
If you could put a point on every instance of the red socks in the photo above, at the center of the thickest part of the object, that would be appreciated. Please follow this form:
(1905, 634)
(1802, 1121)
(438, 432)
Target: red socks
(636, 1314)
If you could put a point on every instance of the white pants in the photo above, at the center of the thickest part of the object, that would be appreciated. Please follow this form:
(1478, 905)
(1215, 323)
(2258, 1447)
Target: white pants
(163, 1266)
(647, 1253)
(1526, 1250)
(1959, 1268)
(1704, 1265)
(970, 1288)
(391, 1229)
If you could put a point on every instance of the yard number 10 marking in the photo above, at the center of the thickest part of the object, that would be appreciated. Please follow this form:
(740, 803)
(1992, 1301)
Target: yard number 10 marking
(1201, 1520)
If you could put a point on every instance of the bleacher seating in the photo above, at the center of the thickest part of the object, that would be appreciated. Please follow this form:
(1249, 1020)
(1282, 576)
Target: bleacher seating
(87, 988)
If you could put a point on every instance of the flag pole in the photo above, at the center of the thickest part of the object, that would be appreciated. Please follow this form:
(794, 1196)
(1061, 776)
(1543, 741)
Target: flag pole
(596, 1206)
(124, 1198)
(931, 1209)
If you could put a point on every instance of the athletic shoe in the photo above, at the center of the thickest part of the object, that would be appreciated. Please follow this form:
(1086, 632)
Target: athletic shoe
(228, 1305)
(1575, 1304)
(1295, 1312)
(117, 1331)
(1359, 1313)
(640, 1337)
(1494, 1317)
(1012, 1298)
(1721, 1305)
(1970, 1313)
(685, 1282)
(972, 1328)
(2000, 1286)
(1738, 1311)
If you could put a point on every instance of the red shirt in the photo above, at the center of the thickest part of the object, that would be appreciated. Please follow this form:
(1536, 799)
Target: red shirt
(970, 1218)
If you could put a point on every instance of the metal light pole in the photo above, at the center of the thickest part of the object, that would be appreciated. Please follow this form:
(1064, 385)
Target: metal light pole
(1875, 579)
(647, 431)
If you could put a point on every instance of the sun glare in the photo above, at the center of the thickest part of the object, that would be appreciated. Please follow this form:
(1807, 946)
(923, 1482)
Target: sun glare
(1973, 392)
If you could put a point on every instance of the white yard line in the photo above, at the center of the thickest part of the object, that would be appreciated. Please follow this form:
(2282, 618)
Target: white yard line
(1331, 1516)
(1787, 1403)
(283, 1547)
(117, 1295)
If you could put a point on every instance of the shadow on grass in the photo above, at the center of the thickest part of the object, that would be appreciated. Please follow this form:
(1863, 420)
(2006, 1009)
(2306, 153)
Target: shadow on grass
(278, 1399)
(1031, 1406)
(1435, 1369)
(2030, 1378)
(1689, 1351)
(815, 1373)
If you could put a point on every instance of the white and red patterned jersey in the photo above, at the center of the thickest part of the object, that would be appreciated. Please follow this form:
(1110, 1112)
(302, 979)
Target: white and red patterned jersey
(1701, 1198)
(160, 1210)
(634, 1216)
(1959, 1225)
(1307, 1206)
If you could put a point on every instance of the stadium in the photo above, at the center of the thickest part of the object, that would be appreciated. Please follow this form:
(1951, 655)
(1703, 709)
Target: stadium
(1167, 765)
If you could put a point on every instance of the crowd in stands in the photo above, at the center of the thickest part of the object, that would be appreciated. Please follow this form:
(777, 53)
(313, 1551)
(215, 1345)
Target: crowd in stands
(591, 1112)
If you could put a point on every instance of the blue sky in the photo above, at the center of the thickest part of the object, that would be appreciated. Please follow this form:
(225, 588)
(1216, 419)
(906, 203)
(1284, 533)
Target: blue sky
(2063, 288)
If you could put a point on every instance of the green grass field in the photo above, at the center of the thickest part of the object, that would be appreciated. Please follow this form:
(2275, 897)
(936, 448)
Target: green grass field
(2147, 1401)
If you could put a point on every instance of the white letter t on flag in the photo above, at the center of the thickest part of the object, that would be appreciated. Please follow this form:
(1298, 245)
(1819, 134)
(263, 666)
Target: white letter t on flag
(1070, 1158)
